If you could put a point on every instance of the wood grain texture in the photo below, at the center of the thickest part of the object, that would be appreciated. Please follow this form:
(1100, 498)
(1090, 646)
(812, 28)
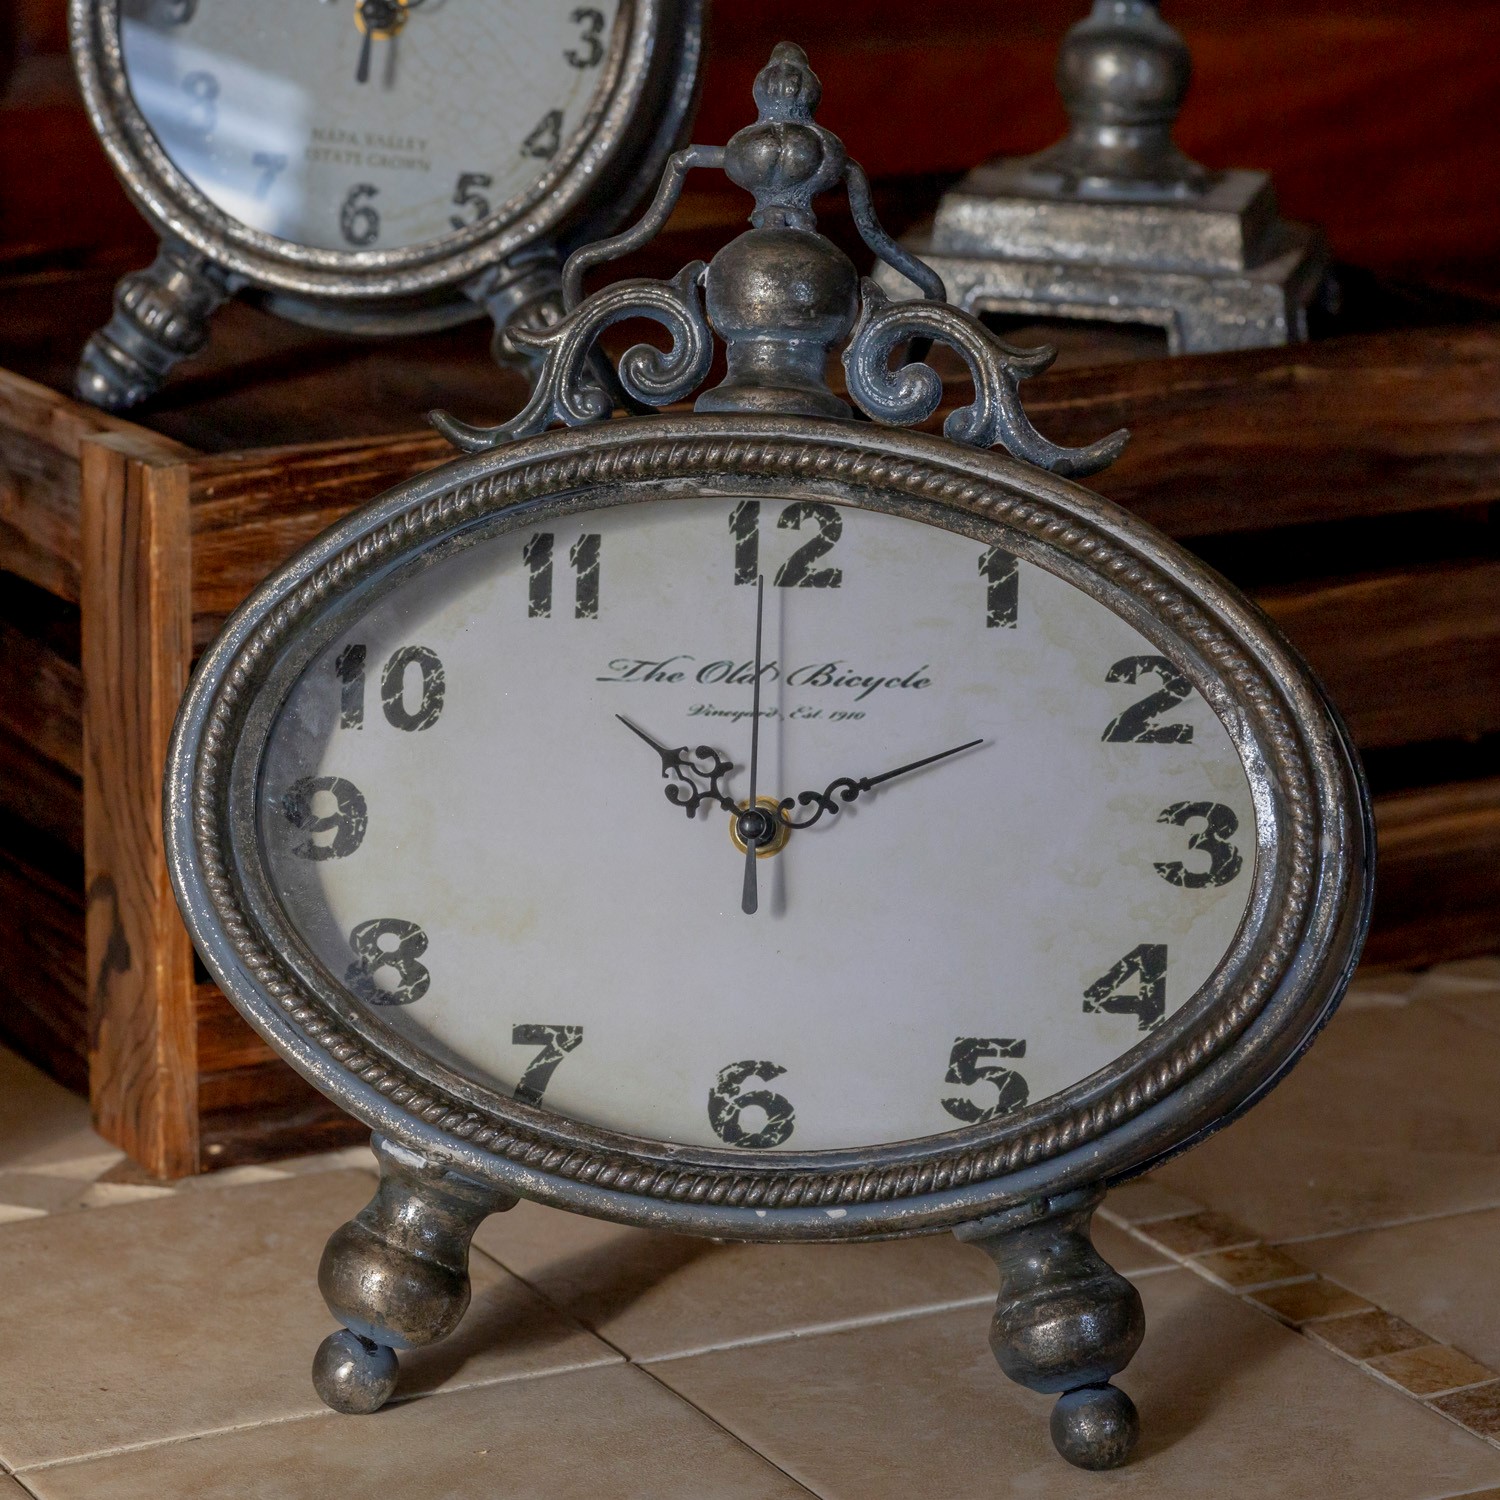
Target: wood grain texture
(41, 698)
(40, 431)
(39, 794)
(137, 646)
(45, 1017)
(1437, 881)
(265, 1110)
(1410, 655)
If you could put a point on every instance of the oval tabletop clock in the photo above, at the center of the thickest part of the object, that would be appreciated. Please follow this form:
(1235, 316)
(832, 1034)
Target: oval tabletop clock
(373, 166)
(762, 823)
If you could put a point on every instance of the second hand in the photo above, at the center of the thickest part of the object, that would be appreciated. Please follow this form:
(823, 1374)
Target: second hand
(750, 896)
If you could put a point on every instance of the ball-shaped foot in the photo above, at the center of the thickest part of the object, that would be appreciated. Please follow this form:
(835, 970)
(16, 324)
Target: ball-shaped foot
(1095, 1427)
(352, 1374)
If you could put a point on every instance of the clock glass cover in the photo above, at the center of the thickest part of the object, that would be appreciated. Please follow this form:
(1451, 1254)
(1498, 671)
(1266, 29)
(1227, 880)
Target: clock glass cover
(462, 812)
(367, 124)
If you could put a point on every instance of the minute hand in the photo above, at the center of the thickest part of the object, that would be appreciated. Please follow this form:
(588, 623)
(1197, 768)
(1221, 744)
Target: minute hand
(848, 789)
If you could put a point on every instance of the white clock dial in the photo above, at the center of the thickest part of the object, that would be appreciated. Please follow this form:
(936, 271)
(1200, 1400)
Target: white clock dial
(302, 119)
(466, 834)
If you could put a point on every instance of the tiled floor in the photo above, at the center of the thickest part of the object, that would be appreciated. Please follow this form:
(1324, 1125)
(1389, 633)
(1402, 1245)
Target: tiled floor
(1322, 1286)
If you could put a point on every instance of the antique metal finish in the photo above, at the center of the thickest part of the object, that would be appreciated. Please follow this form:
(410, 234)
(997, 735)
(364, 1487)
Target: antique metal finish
(1022, 1184)
(397, 1274)
(1065, 1322)
(1114, 223)
(506, 264)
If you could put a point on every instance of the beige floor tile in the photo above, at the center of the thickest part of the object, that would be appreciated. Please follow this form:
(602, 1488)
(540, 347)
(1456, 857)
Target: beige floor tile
(157, 1320)
(653, 1295)
(1391, 1115)
(1233, 1405)
(40, 1121)
(1443, 1275)
(604, 1434)
(1146, 1200)
(11, 1489)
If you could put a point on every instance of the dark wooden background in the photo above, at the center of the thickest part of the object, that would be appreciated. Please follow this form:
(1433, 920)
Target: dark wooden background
(1378, 118)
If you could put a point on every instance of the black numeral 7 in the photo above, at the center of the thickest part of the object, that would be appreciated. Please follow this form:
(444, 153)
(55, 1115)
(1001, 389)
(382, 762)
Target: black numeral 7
(554, 1042)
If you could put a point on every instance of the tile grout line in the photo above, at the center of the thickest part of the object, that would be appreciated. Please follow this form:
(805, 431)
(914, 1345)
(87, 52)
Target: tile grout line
(1228, 1255)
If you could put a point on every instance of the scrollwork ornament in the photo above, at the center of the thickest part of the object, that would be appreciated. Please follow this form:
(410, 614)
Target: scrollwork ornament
(568, 391)
(912, 393)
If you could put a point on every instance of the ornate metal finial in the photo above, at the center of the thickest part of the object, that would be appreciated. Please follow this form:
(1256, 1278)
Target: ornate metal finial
(1123, 73)
(781, 296)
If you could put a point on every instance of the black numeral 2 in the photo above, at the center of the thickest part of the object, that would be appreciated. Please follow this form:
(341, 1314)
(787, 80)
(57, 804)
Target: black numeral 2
(967, 1065)
(349, 668)
(1138, 723)
(400, 957)
(797, 572)
(554, 1041)
(1146, 966)
(583, 556)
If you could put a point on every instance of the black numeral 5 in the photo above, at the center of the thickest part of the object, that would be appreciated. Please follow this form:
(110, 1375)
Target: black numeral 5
(967, 1065)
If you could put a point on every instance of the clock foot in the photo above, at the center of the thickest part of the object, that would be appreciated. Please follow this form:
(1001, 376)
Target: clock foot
(161, 318)
(1065, 1322)
(397, 1274)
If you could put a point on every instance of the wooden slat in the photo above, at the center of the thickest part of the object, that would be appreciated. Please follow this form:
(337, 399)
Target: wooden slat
(1410, 655)
(1437, 878)
(39, 436)
(1348, 428)
(39, 794)
(225, 1040)
(137, 643)
(44, 1012)
(265, 1110)
(41, 697)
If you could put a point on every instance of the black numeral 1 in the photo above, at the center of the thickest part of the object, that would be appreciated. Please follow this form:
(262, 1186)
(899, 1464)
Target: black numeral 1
(744, 527)
(350, 671)
(583, 556)
(1002, 604)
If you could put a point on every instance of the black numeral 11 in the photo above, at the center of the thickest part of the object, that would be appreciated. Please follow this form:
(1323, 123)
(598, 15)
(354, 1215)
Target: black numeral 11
(583, 556)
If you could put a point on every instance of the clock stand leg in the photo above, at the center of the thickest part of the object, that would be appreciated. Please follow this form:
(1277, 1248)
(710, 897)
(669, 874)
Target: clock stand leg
(1065, 1322)
(397, 1274)
(161, 318)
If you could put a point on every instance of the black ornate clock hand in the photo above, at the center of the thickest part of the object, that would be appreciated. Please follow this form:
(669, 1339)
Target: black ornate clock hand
(378, 18)
(848, 789)
(683, 765)
(754, 825)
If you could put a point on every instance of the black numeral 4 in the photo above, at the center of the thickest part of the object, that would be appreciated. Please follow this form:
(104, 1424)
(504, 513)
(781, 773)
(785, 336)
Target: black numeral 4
(1135, 986)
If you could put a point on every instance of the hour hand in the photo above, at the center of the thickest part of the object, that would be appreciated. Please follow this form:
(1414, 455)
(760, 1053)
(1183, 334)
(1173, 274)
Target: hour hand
(684, 769)
(848, 788)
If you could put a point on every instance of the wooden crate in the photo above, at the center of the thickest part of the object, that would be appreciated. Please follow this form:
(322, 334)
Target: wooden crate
(1346, 484)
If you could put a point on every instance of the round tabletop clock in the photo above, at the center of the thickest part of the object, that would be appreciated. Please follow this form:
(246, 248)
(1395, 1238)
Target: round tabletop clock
(763, 823)
(372, 166)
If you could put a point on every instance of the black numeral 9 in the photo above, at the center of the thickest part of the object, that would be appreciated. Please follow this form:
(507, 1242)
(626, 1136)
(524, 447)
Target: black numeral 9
(346, 820)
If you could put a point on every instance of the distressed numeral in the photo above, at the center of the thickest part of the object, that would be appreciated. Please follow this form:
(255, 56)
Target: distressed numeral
(202, 89)
(346, 820)
(373, 956)
(554, 1041)
(1138, 723)
(1146, 968)
(350, 671)
(393, 689)
(967, 1066)
(1220, 824)
(583, 557)
(359, 222)
(466, 195)
(591, 39)
(546, 138)
(727, 1105)
(1002, 599)
(271, 166)
(744, 527)
(797, 572)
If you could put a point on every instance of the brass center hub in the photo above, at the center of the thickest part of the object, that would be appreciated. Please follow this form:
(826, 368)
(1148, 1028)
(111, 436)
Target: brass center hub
(761, 823)
(380, 19)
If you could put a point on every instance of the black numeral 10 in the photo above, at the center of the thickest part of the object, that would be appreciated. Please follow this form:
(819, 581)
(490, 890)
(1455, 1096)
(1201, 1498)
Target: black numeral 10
(399, 712)
(583, 557)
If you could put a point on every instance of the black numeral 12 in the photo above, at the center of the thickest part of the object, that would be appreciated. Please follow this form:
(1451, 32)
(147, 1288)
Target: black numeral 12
(583, 555)
(797, 572)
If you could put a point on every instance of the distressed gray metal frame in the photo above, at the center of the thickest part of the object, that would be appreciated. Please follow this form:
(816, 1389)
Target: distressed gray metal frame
(504, 265)
(1024, 1185)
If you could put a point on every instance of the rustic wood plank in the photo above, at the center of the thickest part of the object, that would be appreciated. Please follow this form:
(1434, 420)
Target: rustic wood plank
(39, 794)
(1409, 655)
(263, 1111)
(44, 1011)
(39, 436)
(137, 645)
(226, 1041)
(1437, 878)
(41, 697)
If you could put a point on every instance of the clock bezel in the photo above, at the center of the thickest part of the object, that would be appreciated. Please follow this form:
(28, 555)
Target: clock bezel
(614, 160)
(1298, 942)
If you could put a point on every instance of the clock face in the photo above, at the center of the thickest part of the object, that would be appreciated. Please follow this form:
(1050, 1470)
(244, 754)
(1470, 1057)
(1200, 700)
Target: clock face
(464, 816)
(380, 125)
